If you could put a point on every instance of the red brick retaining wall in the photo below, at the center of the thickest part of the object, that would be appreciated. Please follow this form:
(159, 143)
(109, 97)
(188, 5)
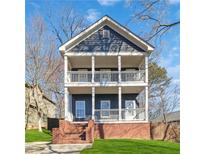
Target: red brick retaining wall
(122, 130)
(85, 133)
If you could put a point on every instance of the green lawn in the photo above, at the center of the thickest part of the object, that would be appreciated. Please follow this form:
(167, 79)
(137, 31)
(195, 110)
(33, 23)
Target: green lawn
(36, 136)
(126, 146)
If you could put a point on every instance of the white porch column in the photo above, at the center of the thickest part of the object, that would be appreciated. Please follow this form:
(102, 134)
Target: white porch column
(66, 105)
(120, 102)
(65, 69)
(93, 69)
(93, 103)
(146, 69)
(146, 104)
(146, 89)
(119, 69)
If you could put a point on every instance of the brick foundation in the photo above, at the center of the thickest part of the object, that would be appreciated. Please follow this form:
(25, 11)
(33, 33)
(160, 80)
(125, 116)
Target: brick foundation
(86, 132)
(122, 130)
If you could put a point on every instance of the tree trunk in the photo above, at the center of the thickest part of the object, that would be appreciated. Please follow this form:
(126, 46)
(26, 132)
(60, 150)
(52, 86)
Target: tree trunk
(166, 131)
(39, 125)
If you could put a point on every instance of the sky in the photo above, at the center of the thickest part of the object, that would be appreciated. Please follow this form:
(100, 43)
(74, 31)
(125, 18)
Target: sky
(119, 11)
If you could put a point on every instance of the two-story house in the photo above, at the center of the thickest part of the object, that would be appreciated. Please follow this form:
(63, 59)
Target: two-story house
(106, 80)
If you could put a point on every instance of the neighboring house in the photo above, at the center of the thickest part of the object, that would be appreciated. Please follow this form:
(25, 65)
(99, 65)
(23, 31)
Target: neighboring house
(46, 107)
(106, 80)
(170, 117)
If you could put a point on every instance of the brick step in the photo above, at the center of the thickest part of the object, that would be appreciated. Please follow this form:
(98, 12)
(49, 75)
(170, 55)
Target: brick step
(72, 128)
(74, 136)
(73, 141)
(72, 131)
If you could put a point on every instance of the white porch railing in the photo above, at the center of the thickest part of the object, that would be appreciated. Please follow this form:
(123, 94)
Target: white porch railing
(133, 75)
(113, 114)
(105, 76)
(79, 76)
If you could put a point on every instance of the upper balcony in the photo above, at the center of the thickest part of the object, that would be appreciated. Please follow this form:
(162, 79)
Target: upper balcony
(106, 76)
(104, 70)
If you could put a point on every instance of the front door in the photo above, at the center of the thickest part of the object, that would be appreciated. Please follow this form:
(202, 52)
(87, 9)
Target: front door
(105, 108)
(130, 109)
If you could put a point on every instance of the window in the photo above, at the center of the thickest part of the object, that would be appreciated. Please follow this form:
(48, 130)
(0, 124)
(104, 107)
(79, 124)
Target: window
(80, 109)
(105, 108)
(106, 33)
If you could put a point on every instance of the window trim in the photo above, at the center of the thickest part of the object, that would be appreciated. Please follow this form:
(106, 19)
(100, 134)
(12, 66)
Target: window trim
(101, 102)
(76, 102)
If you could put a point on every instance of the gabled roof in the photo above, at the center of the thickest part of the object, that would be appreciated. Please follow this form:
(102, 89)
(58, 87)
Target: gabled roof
(106, 20)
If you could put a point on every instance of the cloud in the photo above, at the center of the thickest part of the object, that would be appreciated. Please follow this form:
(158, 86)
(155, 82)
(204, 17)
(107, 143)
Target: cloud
(173, 1)
(92, 15)
(107, 2)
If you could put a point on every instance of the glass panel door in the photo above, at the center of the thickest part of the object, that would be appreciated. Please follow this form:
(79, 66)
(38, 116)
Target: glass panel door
(105, 108)
(130, 109)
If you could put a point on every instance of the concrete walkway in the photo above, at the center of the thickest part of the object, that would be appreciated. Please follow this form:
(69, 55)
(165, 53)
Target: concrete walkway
(48, 148)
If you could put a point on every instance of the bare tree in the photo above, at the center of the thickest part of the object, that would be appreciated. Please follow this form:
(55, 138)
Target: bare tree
(154, 15)
(67, 24)
(64, 25)
(43, 65)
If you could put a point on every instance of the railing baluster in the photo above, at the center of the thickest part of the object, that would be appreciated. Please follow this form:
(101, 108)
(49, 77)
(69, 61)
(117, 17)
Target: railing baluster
(103, 76)
(112, 114)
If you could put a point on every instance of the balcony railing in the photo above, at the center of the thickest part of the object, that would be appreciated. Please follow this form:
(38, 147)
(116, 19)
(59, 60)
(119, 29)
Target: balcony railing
(113, 114)
(79, 76)
(133, 75)
(105, 76)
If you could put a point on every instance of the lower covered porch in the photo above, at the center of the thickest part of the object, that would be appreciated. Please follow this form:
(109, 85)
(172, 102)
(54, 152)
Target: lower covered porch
(107, 104)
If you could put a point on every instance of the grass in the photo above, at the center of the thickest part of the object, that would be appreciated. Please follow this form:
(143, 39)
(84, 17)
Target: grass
(35, 136)
(126, 146)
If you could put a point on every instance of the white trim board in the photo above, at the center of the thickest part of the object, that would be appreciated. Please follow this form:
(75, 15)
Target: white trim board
(122, 53)
(114, 122)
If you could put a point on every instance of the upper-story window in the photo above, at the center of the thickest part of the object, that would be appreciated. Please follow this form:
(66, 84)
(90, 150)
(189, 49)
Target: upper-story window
(106, 33)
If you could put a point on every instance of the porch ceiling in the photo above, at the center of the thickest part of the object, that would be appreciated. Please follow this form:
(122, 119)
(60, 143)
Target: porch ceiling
(105, 61)
(105, 90)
